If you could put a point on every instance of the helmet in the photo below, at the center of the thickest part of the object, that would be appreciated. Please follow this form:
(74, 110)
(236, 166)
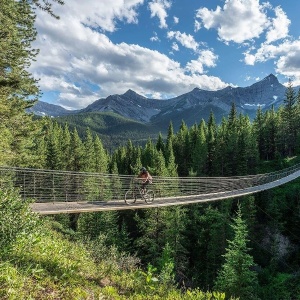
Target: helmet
(143, 169)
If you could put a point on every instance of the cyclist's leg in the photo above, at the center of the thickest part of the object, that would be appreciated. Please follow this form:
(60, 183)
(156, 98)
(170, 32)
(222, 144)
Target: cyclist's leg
(144, 187)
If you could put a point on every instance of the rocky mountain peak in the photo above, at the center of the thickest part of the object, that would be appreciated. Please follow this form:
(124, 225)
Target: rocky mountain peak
(190, 106)
(271, 79)
(132, 94)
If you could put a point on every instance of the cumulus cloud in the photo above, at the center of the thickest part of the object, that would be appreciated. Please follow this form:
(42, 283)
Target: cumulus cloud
(81, 64)
(280, 26)
(246, 15)
(103, 14)
(286, 56)
(197, 26)
(247, 22)
(184, 39)
(206, 59)
(154, 38)
(175, 47)
(158, 9)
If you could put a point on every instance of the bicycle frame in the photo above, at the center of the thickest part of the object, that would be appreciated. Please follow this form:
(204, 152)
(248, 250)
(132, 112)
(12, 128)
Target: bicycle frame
(136, 191)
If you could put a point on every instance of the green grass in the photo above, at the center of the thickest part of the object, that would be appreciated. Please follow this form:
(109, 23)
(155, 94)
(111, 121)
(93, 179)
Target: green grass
(52, 267)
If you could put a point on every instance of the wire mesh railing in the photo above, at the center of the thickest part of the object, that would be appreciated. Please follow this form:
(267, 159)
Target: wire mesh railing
(64, 186)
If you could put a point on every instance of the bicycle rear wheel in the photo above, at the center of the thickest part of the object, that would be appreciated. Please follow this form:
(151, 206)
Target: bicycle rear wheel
(149, 196)
(130, 197)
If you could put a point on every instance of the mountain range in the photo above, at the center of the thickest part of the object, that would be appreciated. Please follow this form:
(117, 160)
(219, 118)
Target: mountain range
(190, 107)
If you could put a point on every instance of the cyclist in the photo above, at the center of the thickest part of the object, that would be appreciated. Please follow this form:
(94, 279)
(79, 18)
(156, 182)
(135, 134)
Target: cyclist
(145, 177)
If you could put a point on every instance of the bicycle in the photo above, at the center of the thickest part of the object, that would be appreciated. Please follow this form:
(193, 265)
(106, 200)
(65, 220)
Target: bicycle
(135, 192)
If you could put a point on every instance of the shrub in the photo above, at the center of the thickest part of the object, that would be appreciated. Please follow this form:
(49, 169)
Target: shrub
(16, 219)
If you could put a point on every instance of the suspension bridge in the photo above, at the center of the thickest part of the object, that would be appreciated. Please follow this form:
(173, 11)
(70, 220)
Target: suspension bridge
(56, 192)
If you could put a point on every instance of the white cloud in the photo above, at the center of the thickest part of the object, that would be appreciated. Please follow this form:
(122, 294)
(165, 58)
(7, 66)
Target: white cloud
(286, 56)
(184, 39)
(175, 47)
(206, 59)
(103, 14)
(158, 9)
(280, 26)
(82, 65)
(197, 26)
(154, 38)
(237, 21)
(176, 20)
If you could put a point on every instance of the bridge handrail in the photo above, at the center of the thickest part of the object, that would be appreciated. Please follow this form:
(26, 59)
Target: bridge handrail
(54, 185)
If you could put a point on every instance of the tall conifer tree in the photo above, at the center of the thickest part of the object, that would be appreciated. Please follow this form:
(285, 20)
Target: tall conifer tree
(18, 88)
(289, 119)
(236, 278)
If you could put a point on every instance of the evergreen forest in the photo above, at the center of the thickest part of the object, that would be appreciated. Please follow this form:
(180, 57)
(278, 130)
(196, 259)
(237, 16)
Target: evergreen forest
(242, 248)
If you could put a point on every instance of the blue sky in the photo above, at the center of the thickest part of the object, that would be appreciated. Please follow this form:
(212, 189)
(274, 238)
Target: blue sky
(163, 48)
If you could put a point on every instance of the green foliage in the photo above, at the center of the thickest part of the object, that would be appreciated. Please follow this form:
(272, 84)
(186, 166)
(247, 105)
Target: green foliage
(16, 219)
(148, 279)
(289, 119)
(113, 129)
(280, 286)
(236, 277)
(166, 266)
(18, 89)
(106, 223)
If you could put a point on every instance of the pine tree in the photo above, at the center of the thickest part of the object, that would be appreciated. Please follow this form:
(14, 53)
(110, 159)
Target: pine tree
(180, 147)
(89, 152)
(159, 164)
(289, 119)
(199, 151)
(46, 5)
(176, 223)
(232, 142)
(211, 144)
(93, 224)
(160, 227)
(18, 88)
(298, 122)
(40, 151)
(53, 155)
(247, 148)
(152, 238)
(236, 278)
(170, 160)
(206, 235)
(136, 163)
(101, 158)
(17, 34)
(160, 145)
(119, 157)
(220, 149)
(148, 154)
(271, 134)
(259, 125)
(77, 153)
(115, 181)
(65, 145)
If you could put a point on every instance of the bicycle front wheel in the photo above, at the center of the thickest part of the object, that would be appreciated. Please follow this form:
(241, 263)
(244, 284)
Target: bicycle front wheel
(130, 197)
(149, 196)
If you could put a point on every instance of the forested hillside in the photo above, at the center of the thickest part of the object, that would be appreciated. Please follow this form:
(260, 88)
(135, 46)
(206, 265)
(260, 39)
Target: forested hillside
(247, 248)
(113, 129)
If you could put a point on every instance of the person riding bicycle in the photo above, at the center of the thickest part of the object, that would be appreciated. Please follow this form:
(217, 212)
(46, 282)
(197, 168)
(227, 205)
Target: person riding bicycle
(145, 177)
